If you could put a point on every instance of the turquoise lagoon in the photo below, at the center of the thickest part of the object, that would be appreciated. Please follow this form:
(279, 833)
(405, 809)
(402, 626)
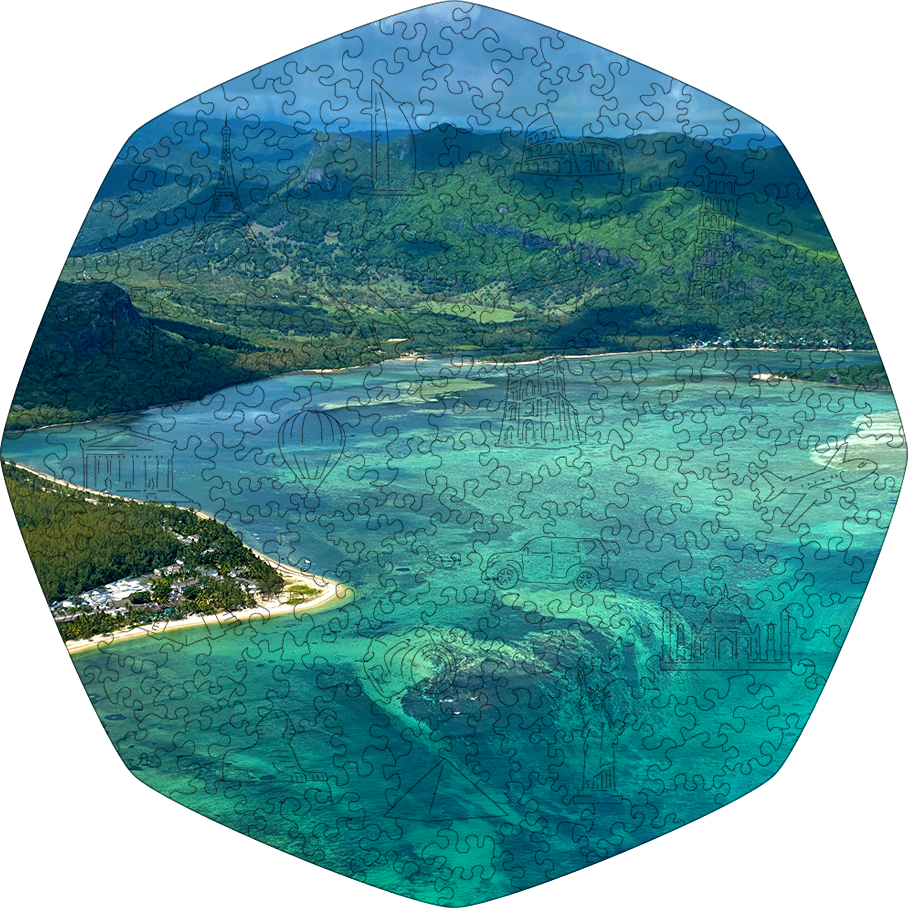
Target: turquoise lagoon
(452, 733)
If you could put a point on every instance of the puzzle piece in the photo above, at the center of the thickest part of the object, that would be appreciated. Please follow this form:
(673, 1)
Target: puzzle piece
(557, 421)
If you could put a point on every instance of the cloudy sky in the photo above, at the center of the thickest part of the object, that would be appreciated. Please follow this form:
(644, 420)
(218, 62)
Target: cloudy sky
(475, 67)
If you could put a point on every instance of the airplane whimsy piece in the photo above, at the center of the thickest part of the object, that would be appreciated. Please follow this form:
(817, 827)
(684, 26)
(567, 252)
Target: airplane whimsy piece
(838, 474)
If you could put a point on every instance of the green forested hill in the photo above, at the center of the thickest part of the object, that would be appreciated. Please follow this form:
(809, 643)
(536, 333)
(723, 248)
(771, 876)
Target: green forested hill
(478, 256)
(96, 354)
(78, 541)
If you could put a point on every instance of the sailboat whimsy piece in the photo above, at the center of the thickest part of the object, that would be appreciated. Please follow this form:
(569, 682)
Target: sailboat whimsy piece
(394, 169)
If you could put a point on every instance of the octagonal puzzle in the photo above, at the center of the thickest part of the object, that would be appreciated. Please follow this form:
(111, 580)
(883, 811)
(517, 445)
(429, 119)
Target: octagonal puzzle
(453, 454)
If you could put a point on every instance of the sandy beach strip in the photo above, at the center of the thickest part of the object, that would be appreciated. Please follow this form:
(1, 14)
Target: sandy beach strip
(332, 595)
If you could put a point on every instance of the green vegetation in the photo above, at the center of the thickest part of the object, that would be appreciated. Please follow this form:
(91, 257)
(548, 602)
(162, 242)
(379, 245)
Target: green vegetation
(221, 594)
(484, 259)
(299, 593)
(95, 354)
(79, 541)
(76, 545)
(869, 377)
(90, 624)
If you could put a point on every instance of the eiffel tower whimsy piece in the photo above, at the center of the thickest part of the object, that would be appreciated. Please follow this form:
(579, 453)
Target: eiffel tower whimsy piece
(226, 212)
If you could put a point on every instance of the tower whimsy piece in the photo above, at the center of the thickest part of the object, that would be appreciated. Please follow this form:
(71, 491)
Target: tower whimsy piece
(226, 211)
(710, 280)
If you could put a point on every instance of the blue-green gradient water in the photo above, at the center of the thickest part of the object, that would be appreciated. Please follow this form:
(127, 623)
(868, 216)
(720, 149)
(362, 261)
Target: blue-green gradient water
(457, 723)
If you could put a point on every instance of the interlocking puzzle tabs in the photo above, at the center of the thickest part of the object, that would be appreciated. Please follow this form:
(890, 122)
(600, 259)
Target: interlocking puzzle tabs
(453, 454)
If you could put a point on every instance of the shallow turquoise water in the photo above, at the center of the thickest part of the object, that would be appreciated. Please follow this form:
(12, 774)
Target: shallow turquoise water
(455, 721)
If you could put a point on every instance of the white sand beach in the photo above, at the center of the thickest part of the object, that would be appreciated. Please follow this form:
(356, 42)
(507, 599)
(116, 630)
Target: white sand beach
(334, 595)
(331, 594)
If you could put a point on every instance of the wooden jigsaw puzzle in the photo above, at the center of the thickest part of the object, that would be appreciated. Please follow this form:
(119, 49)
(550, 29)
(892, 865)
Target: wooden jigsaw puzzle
(453, 454)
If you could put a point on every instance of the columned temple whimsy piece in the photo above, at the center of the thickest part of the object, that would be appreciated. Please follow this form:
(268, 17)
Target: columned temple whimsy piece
(130, 463)
(445, 463)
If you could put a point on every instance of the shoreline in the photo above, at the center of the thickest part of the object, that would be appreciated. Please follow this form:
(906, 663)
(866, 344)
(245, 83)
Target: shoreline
(413, 357)
(333, 594)
(332, 597)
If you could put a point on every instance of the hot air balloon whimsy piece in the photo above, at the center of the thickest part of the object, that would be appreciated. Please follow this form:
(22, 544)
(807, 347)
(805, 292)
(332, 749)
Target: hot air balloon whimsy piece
(311, 443)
